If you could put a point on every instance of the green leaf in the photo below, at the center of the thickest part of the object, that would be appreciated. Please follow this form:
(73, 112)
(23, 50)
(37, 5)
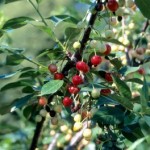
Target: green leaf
(10, 1)
(144, 128)
(135, 80)
(38, 1)
(114, 41)
(144, 95)
(47, 30)
(17, 84)
(51, 87)
(71, 33)
(109, 115)
(1, 33)
(62, 18)
(106, 100)
(16, 23)
(27, 111)
(137, 143)
(14, 60)
(20, 102)
(131, 70)
(124, 101)
(147, 120)
(123, 88)
(143, 5)
(27, 89)
(116, 62)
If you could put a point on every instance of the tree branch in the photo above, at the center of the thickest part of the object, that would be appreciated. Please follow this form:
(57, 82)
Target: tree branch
(37, 134)
(78, 55)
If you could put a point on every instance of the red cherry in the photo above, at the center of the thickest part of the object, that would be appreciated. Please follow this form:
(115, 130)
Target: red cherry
(67, 101)
(96, 60)
(73, 89)
(108, 49)
(76, 80)
(52, 68)
(112, 5)
(82, 66)
(105, 92)
(58, 76)
(141, 71)
(108, 77)
(43, 101)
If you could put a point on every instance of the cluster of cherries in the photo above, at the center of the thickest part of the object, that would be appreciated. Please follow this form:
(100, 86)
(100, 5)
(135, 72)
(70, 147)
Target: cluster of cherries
(83, 68)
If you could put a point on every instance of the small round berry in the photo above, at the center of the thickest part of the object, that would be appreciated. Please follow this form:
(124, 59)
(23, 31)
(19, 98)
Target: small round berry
(52, 132)
(141, 71)
(113, 21)
(93, 43)
(58, 76)
(76, 45)
(108, 49)
(82, 66)
(101, 47)
(77, 118)
(43, 112)
(96, 60)
(68, 137)
(67, 101)
(105, 92)
(76, 80)
(87, 133)
(54, 120)
(52, 68)
(58, 108)
(64, 128)
(77, 126)
(112, 5)
(43, 101)
(109, 34)
(38, 118)
(73, 89)
(130, 3)
(95, 93)
(108, 77)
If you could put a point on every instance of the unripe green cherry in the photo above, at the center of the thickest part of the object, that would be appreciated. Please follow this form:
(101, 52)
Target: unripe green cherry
(95, 93)
(43, 112)
(101, 47)
(77, 45)
(93, 43)
(38, 118)
(109, 34)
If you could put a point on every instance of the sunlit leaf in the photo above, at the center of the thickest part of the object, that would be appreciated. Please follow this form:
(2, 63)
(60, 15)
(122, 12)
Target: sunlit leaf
(51, 87)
